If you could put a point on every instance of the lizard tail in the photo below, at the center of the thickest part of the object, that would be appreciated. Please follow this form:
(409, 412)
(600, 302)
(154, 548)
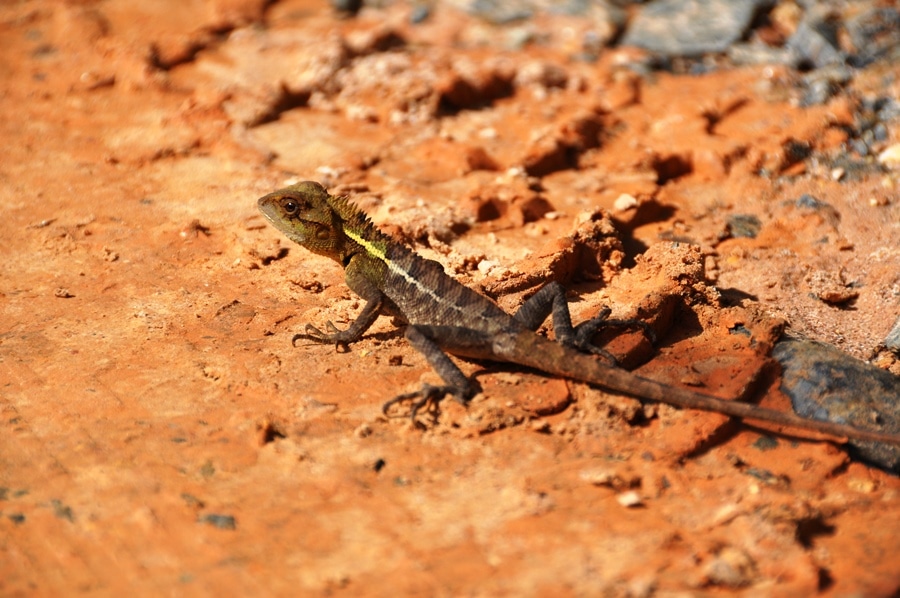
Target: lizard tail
(548, 356)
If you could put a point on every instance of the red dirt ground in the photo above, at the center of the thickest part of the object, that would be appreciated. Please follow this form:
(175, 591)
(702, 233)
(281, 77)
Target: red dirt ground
(160, 435)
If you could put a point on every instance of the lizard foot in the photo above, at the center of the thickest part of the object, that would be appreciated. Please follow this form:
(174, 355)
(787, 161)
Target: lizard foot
(428, 396)
(334, 335)
(584, 332)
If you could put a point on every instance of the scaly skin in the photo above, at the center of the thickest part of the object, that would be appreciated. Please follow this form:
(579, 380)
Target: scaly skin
(443, 316)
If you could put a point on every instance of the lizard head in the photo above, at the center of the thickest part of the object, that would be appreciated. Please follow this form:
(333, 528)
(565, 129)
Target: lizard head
(304, 214)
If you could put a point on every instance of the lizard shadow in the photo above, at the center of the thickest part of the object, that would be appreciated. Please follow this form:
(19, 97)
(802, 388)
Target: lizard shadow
(769, 378)
(731, 296)
(733, 427)
(647, 212)
(386, 335)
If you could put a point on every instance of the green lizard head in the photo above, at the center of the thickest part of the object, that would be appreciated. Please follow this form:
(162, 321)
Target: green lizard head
(304, 213)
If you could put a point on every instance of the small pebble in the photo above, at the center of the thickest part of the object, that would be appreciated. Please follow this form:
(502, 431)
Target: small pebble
(890, 157)
(630, 499)
(220, 521)
(625, 202)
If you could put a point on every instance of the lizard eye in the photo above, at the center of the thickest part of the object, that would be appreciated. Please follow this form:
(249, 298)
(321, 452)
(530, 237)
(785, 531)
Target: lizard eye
(290, 206)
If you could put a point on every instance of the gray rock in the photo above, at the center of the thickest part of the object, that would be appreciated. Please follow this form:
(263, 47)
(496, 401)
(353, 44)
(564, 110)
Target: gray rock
(691, 27)
(501, 12)
(892, 340)
(815, 42)
(825, 383)
(875, 33)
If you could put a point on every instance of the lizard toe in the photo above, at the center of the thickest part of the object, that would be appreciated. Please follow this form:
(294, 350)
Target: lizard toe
(428, 397)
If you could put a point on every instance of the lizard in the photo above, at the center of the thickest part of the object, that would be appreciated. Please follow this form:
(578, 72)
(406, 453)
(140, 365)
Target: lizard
(442, 315)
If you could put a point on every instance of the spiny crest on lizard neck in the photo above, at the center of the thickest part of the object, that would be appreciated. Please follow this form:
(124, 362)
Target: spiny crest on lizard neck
(357, 223)
(351, 215)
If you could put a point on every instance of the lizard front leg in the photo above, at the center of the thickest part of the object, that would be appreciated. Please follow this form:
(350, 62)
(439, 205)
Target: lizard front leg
(342, 338)
(551, 299)
(355, 276)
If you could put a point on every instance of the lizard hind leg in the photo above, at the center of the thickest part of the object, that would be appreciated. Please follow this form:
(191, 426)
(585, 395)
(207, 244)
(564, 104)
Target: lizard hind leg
(551, 299)
(429, 396)
(455, 384)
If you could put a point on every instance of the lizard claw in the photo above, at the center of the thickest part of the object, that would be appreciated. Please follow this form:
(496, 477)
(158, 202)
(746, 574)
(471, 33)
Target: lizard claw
(584, 332)
(427, 396)
(317, 336)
